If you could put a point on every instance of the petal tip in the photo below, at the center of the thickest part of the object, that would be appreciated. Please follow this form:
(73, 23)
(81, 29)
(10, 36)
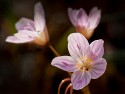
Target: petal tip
(38, 4)
(39, 17)
(69, 9)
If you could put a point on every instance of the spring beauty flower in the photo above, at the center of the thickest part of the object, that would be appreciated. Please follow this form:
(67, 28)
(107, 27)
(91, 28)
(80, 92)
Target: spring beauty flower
(31, 31)
(85, 62)
(85, 24)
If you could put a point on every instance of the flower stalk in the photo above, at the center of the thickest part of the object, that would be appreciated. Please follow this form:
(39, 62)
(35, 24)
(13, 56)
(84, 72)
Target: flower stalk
(53, 50)
(69, 87)
(62, 82)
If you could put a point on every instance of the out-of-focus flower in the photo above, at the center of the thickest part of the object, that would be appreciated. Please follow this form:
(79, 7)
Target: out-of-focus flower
(85, 62)
(31, 31)
(83, 23)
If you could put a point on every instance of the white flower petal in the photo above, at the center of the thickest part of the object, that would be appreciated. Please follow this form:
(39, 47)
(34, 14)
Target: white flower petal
(83, 19)
(94, 18)
(78, 17)
(13, 39)
(72, 16)
(25, 24)
(39, 18)
(28, 34)
(77, 45)
(98, 68)
(25, 34)
(66, 63)
(80, 79)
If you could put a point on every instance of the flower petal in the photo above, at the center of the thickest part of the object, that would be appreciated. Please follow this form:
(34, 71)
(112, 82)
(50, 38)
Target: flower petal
(94, 17)
(77, 45)
(80, 79)
(13, 39)
(72, 16)
(98, 68)
(97, 48)
(77, 17)
(22, 36)
(25, 34)
(66, 63)
(39, 18)
(83, 19)
(25, 24)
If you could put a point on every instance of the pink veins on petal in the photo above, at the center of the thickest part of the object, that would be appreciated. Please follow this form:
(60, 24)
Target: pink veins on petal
(29, 30)
(85, 62)
(81, 19)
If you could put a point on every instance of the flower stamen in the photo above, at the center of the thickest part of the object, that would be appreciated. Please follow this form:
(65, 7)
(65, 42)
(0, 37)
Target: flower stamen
(84, 65)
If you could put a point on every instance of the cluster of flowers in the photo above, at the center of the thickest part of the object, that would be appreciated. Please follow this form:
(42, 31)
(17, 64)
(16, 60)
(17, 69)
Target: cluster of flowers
(86, 60)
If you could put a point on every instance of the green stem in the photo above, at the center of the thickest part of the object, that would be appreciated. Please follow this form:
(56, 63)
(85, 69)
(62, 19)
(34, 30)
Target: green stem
(54, 51)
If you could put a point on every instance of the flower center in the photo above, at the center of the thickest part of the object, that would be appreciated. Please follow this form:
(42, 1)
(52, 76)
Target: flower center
(86, 65)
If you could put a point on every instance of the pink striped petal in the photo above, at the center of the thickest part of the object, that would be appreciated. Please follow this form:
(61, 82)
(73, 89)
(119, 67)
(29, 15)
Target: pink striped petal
(25, 34)
(65, 63)
(97, 48)
(28, 34)
(13, 39)
(83, 19)
(22, 36)
(77, 17)
(39, 18)
(72, 16)
(98, 68)
(25, 24)
(77, 45)
(80, 79)
(94, 18)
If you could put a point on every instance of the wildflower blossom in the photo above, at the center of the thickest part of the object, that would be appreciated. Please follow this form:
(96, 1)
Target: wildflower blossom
(31, 31)
(85, 62)
(85, 24)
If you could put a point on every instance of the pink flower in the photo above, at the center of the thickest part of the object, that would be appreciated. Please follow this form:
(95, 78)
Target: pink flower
(85, 62)
(31, 31)
(83, 23)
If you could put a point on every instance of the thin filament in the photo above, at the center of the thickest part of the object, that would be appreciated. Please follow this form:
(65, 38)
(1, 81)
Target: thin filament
(62, 82)
(69, 87)
(71, 90)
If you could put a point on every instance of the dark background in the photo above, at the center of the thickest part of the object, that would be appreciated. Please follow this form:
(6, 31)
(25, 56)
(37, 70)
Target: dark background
(26, 68)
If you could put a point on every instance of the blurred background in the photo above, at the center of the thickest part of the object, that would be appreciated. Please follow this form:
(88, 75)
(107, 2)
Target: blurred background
(26, 68)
